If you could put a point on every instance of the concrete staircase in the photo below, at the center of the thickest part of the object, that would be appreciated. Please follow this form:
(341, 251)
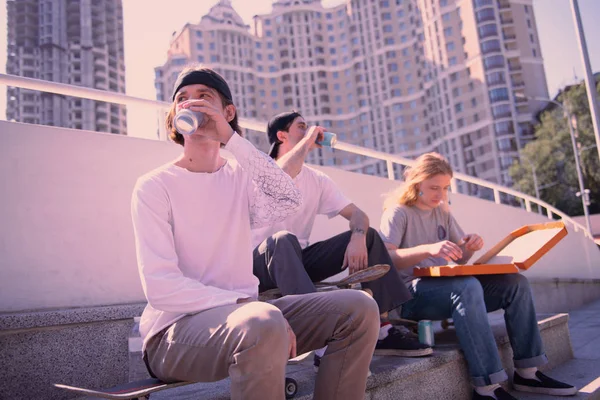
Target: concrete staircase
(443, 376)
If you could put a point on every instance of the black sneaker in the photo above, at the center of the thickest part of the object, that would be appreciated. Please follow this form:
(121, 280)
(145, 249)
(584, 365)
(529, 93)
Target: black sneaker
(401, 342)
(316, 362)
(544, 385)
(500, 394)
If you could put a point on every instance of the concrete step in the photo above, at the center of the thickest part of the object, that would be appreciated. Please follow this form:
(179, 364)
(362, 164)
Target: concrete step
(442, 376)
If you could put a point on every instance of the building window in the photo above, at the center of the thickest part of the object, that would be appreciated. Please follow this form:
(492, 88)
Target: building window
(487, 14)
(492, 62)
(490, 46)
(450, 46)
(481, 3)
(499, 94)
(496, 78)
(501, 111)
(488, 30)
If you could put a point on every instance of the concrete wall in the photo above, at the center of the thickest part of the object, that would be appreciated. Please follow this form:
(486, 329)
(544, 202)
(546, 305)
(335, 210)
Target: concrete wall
(66, 238)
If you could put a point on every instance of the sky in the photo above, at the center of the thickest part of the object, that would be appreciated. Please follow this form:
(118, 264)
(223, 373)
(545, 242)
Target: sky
(148, 26)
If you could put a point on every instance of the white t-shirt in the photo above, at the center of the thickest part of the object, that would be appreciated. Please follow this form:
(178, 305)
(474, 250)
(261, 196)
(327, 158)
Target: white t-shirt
(320, 195)
(192, 232)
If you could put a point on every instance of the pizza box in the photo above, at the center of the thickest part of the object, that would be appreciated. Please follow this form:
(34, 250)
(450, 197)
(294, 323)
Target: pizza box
(518, 251)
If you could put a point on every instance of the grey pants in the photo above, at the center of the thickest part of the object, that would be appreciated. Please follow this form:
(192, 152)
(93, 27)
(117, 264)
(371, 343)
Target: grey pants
(249, 343)
(279, 261)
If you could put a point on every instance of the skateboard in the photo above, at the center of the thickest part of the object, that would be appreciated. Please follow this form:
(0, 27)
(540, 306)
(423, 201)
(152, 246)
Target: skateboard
(366, 275)
(142, 389)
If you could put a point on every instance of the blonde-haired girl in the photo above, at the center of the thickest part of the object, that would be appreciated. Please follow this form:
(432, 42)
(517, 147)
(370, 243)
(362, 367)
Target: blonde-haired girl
(420, 231)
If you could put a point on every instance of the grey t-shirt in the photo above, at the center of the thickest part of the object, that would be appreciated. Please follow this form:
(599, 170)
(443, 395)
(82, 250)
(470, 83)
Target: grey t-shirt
(408, 227)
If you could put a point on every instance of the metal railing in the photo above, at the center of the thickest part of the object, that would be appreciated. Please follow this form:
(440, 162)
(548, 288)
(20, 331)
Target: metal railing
(390, 159)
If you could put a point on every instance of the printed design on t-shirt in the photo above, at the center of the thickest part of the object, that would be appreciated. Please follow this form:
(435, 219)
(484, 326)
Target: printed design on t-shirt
(275, 196)
(441, 231)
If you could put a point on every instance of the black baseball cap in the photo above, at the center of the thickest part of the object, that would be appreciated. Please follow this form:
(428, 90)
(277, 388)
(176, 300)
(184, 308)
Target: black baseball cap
(204, 76)
(280, 122)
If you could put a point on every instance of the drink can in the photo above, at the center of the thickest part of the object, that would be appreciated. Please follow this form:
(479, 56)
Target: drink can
(187, 121)
(329, 139)
(426, 333)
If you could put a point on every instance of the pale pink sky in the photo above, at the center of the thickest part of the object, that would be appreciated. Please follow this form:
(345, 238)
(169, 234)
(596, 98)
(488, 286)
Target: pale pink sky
(149, 25)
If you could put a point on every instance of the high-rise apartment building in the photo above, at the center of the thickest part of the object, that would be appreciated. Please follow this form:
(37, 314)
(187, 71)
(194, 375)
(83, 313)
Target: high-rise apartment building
(399, 76)
(79, 42)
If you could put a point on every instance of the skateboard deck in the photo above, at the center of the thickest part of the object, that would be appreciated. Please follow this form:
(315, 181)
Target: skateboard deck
(143, 388)
(131, 390)
(366, 275)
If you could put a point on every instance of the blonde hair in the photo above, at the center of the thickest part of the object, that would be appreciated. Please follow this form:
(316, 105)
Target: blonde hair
(426, 166)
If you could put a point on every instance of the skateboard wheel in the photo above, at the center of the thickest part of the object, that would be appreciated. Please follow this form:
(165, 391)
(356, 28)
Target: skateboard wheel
(291, 388)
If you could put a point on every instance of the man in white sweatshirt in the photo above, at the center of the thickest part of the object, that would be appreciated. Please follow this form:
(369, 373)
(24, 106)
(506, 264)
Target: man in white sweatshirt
(192, 219)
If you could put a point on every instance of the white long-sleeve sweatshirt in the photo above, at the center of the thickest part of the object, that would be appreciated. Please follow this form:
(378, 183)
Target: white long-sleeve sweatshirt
(192, 232)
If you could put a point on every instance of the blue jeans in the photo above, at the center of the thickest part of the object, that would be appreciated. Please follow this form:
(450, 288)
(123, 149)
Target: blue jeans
(467, 300)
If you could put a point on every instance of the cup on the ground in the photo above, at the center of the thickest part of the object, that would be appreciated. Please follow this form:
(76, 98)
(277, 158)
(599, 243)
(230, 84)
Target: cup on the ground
(426, 333)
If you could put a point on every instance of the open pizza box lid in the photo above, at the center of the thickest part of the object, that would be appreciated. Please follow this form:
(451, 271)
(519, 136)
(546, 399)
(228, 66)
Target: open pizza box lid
(517, 251)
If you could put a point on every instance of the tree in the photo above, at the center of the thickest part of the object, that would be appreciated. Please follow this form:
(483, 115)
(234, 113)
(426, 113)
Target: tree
(552, 156)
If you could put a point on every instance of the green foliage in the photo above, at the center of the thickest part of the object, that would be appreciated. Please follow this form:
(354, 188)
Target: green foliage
(552, 156)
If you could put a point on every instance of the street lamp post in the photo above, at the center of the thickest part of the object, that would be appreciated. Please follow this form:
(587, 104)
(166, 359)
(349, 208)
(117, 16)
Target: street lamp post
(590, 81)
(575, 152)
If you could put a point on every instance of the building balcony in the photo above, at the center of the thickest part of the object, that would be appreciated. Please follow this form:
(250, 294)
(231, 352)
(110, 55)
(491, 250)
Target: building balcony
(514, 68)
